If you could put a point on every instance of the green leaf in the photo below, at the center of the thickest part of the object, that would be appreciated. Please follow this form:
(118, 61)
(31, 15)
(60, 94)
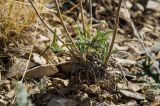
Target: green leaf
(54, 45)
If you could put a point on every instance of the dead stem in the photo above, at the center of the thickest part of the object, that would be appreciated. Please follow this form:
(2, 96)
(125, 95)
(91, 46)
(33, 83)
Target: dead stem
(30, 55)
(115, 33)
(70, 10)
(68, 35)
(38, 14)
(82, 15)
(147, 51)
(90, 8)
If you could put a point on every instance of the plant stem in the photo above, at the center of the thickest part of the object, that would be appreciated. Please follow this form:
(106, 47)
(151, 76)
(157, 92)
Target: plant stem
(82, 15)
(38, 14)
(90, 8)
(115, 33)
(68, 35)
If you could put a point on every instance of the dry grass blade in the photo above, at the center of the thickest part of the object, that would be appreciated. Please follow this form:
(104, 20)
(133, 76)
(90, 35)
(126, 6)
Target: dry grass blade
(115, 32)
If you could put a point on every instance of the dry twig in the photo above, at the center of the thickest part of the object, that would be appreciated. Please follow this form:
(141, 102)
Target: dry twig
(38, 14)
(82, 15)
(30, 55)
(115, 32)
(68, 35)
(90, 8)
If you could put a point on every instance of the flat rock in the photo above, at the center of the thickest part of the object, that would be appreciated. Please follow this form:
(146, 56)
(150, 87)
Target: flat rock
(18, 67)
(130, 86)
(121, 54)
(153, 5)
(132, 94)
(40, 71)
(125, 62)
(62, 102)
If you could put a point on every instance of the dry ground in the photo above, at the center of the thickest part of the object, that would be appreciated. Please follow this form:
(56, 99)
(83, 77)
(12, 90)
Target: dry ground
(52, 78)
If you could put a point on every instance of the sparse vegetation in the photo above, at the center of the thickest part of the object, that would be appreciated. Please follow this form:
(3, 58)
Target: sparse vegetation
(15, 18)
(71, 43)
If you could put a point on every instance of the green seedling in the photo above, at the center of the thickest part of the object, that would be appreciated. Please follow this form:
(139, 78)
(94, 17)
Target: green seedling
(97, 44)
(54, 46)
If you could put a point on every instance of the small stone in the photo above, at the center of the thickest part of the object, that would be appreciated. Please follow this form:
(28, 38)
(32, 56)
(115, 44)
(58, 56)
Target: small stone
(88, 103)
(92, 89)
(10, 94)
(39, 59)
(3, 103)
(121, 54)
(140, 7)
(153, 35)
(84, 96)
(128, 4)
(105, 104)
(132, 103)
(124, 14)
(83, 87)
(60, 81)
(132, 94)
(105, 94)
(153, 5)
